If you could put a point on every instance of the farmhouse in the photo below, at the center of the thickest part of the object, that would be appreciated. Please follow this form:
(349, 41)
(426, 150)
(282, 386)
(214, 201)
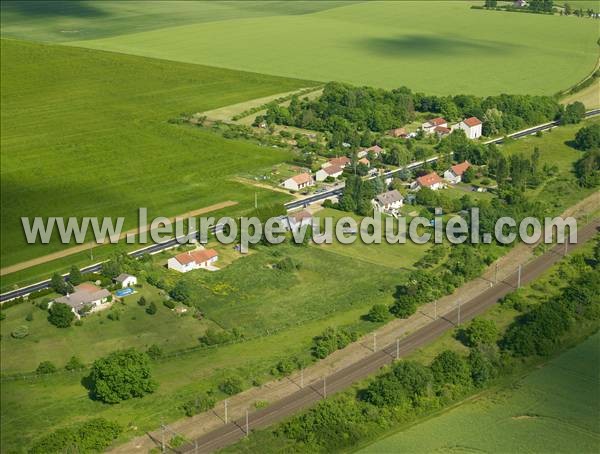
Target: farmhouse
(429, 126)
(471, 127)
(431, 180)
(398, 132)
(342, 161)
(126, 280)
(297, 182)
(388, 201)
(375, 149)
(454, 174)
(193, 260)
(86, 295)
(329, 171)
(299, 219)
(364, 161)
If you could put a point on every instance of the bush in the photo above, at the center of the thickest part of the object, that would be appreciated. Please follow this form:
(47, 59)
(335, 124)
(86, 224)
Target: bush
(94, 435)
(331, 340)
(120, 376)
(478, 332)
(201, 403)
(231, 385)
(74, 364)
(154, 352)
(169, 303)
(20, 332)
(29, 317)
(404, 307)
(449, 367)
(61, 315)
(45, 367)
(142, 301)
(287, 264)
(378, 313)
(151, 309)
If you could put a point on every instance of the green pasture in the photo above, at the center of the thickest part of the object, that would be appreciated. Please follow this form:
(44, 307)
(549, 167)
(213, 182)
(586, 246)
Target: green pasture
(438, 47)
(86, 133)
(554, 409)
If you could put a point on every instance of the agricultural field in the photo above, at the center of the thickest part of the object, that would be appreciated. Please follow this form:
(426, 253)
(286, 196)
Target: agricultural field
(410, 43)
(92, 126)
(554, 409)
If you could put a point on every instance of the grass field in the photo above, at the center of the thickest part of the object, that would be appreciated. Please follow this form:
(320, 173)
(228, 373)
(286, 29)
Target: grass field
(554, 409)
(409, 43)
(85, 133)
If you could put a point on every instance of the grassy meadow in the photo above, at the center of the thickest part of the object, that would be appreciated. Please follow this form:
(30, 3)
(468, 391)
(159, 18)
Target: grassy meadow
(86, 133)
(387, 44)
(554, 409)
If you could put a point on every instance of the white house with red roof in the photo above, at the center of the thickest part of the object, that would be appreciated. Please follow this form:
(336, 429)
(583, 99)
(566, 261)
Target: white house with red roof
(442, 131)
(297, 182)
(472, 127)
(454, 174)
(342, 161)
(430, 125)
(431, 180)
(375, 149)
(193, 260)
(329, 171)
(298, 219)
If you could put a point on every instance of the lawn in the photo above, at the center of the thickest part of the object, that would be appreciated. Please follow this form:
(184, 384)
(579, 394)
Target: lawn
(554, 409)
(436, 47)
(86, 133)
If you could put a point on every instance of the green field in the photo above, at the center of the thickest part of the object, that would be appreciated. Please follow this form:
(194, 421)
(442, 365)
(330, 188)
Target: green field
(86, 133)
(554, 409)
(387, 44)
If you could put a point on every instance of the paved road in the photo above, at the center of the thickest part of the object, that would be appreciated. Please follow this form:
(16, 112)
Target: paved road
(313, 392)
(153, 249)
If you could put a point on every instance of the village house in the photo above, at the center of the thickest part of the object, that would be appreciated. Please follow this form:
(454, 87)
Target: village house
(398, 132)
(85, 298)
(472, 127)
(125, 280)
(364, 161)
(442, 131)
(388, 202)
(342, 161)
(375, 149)
(431, 180)
(429, 126)
(329, 171)
(297, 182)
(193, 260)
(454, 174)
(299, 219)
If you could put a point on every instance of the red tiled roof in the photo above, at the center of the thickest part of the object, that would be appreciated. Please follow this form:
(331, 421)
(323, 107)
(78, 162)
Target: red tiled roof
(459, 169)
(330, 170)
(429, 180)
(200, 256)
(375, 149)
(398, 132)
(340, 162)
(301, 215)
(364, 161)
(473, 121)
(437, 121)
(301, 178)
(442, 130)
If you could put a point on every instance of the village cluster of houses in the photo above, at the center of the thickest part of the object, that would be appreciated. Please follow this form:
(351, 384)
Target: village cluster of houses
(471, 126)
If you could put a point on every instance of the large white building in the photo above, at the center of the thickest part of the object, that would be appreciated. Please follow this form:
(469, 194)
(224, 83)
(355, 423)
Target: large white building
(297, 182)
(454, 174)
(430, 125)
(389, 201)
(193, 260)
(472, 127)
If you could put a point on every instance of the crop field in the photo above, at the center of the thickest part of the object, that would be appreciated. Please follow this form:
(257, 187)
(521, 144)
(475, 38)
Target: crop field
(436, 47)
(86, 133)
(554, 409)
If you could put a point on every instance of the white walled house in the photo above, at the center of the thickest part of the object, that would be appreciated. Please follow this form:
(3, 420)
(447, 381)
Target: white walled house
(389, 201)
(431, 180)
(430, 125)
(329, 171)
(297, 182)
(342, 161)
(472, 127)
(126, 280)
(454, 174)
(299, 219)
(375, 149)
(193, 260)
(85, 295)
